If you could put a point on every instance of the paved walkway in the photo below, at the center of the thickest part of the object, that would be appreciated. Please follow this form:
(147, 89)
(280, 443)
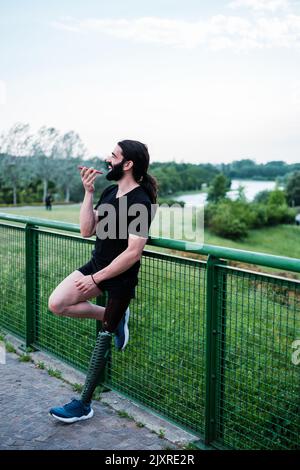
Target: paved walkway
(27, 393)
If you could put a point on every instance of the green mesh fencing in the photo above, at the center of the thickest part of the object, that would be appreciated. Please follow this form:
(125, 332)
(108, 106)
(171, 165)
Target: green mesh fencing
(163, 366)
(210, 345)
(260, 407)
(13, 279)
(70, 339)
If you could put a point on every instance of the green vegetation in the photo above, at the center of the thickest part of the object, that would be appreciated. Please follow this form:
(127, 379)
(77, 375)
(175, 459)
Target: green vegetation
(293, 189)
(281, 240)
(248, 169)
(139, 424)
(32, 165)
(25, 358)
(40, 365)
(54, 373)
(124, 414)
(218, 189)
(9, 347)
(77, 387)
(233, 219)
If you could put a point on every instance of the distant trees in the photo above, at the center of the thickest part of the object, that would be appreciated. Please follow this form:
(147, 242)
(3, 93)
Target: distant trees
(31, 164)
(44, 151)
(35, 161)
(218, 189)
(248, 169)
(70, 148)
(14, 145)
(173, 177)
(293, 189)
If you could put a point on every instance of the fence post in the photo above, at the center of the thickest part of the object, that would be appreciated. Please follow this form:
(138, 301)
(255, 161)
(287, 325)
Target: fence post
(31, 252)
(215, 349)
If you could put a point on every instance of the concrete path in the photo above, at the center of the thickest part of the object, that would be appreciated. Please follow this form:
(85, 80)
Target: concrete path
(27, 393)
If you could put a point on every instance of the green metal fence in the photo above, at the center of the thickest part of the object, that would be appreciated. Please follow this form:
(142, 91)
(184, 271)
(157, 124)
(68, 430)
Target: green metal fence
(210, 344)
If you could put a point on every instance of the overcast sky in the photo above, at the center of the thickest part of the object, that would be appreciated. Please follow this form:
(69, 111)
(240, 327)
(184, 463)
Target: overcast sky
(197, 81)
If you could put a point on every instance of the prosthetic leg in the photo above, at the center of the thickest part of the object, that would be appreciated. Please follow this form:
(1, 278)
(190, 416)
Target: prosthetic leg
(97, 365)
(114, 312)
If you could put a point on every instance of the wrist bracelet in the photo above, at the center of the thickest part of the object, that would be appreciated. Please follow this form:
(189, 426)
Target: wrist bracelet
(94, 280)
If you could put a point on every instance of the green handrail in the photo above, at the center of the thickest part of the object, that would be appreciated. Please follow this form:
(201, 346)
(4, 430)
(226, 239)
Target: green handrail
(250, 257)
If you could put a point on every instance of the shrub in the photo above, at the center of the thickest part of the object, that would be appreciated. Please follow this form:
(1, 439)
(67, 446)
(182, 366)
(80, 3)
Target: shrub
(227, 219)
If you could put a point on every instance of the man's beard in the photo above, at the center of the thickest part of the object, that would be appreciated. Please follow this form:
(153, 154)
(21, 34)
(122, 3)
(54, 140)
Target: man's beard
(116, 173)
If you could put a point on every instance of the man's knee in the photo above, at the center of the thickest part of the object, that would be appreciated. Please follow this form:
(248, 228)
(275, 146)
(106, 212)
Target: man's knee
(56, 306)
(109, 326)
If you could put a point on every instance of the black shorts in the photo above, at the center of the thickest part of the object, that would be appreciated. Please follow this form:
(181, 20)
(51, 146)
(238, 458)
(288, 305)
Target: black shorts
(116, 287)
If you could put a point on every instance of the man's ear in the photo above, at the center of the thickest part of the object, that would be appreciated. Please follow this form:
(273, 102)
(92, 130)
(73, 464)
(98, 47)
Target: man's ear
(129, 164)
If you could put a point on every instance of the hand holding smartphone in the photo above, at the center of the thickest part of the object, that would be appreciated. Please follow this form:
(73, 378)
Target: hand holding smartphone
(97, 171)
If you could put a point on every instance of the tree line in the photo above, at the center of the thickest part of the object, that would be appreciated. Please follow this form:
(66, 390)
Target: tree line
(31, 165)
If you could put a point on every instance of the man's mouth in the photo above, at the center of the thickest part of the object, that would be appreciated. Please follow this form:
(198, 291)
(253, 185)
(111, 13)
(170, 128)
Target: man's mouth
(109, 167)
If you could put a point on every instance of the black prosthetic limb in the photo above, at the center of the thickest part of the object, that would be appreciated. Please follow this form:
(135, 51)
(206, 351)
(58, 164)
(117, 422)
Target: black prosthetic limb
(97, 365)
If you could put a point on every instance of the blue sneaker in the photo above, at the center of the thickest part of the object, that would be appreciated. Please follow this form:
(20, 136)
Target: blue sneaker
(122, 332)
(73, 411)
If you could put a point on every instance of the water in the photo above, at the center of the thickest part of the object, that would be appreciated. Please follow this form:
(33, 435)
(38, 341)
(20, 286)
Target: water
(251, 188)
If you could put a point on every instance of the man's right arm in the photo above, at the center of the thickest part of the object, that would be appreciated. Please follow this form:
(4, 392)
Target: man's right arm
(88, 216)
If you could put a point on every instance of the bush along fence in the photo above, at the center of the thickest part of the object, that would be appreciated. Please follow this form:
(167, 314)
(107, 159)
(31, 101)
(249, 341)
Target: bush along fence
(213, 348)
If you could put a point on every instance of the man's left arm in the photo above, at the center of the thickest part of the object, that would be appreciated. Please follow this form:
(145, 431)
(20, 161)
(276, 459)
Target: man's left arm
(125, 260)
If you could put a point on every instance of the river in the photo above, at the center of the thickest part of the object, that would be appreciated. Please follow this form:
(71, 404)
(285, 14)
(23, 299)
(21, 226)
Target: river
(251, 188)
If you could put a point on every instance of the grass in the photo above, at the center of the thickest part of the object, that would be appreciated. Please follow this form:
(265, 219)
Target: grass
(10, 348)
(139, 424)
(77, 387)
(40, 365)
(124, 414)
(25, 358)
(55, 373)
(281, 240)
(164, 365)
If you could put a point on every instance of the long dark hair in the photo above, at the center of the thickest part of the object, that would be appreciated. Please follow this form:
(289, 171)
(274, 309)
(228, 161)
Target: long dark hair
(139, 155)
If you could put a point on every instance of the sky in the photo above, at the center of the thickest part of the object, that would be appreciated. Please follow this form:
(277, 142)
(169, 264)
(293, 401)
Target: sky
(200, 82)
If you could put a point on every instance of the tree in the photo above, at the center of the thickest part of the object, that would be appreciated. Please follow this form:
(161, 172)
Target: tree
(218, 189)
(262, 197)
(14, 144)
(293, 189)
(45, 150)
(241, 193)
(69, 147)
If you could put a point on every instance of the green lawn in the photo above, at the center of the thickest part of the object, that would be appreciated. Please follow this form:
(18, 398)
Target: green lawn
(281, 240)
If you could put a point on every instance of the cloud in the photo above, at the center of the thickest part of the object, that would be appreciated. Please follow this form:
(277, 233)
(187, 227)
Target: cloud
(217, 32)
(261, 5)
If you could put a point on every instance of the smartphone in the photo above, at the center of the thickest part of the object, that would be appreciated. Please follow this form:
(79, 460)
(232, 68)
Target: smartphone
(97, 171)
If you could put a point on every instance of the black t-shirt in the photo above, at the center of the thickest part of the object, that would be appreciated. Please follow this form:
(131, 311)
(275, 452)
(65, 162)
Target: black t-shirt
(118, 217)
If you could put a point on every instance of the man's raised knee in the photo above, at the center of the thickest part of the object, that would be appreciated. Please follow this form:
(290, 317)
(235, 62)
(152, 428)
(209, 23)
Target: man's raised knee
(56, 307)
